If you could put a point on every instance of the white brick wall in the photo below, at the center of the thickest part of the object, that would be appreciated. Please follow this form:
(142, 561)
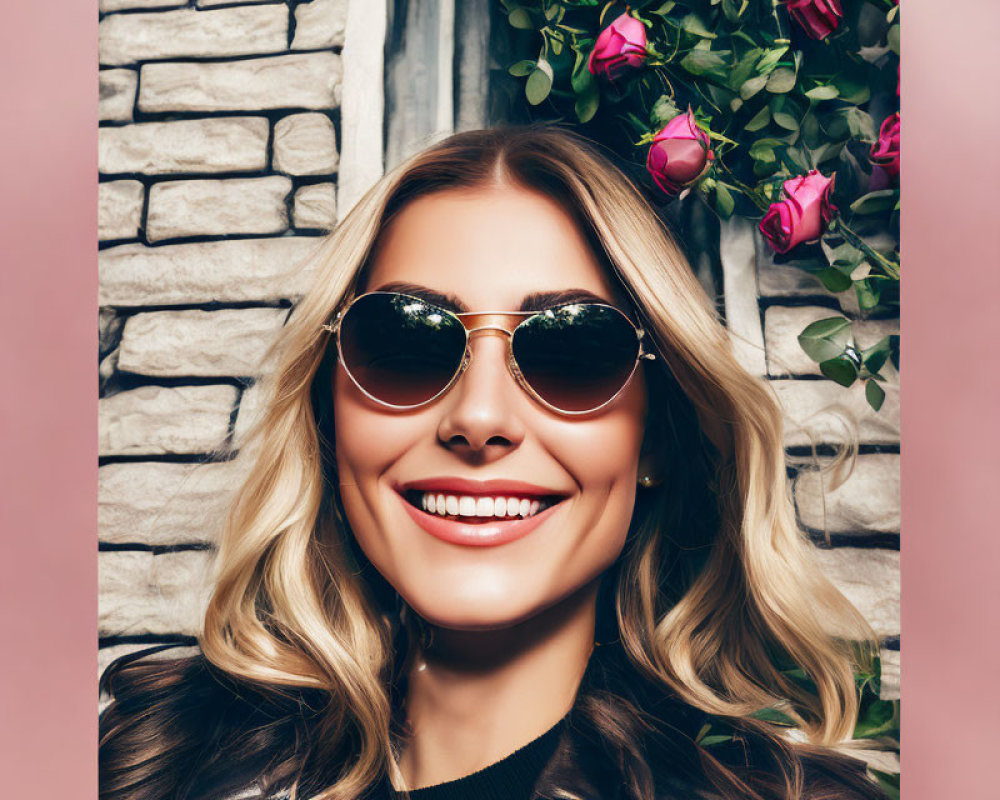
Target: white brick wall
(219, 159)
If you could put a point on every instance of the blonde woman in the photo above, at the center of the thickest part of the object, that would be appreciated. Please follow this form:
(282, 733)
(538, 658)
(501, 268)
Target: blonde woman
(516, 525)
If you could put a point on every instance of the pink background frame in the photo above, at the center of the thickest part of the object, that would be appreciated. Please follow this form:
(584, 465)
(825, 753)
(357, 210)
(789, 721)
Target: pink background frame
(950, 391)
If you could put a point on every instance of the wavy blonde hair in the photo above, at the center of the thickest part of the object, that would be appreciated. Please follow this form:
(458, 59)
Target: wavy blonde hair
(292, 605)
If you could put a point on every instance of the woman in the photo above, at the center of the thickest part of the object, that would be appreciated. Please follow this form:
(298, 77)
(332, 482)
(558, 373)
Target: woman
(516, 525)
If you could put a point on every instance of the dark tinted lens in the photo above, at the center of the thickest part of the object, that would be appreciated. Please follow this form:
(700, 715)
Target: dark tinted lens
(576, 356)
(399, 349)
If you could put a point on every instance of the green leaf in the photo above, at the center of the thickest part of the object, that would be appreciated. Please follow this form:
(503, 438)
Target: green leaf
(522, 68)
(841, 370)
(874, 394)
(826, 338)
(587, 103)
(774, 716)
(760, 120)
(520, 18)
(781, 80)
(822, 93)
(724, 202)
(703, 62)
(770, 59)
(663, 111)
(892, 38)
(834, 280)
(692, 24)
(752, 86)
(539, 82)
(852, 91)
(875, 202)
(665, 8)
(874, 357)
(785, 120)
(554, 11)
(877, 719)
(715, 738)
(581, 80)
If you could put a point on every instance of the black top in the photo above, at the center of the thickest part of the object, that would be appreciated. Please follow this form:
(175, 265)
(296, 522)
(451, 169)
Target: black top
(511, 778)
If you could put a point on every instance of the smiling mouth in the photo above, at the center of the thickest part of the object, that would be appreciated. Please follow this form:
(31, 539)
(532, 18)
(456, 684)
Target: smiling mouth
(479, 509)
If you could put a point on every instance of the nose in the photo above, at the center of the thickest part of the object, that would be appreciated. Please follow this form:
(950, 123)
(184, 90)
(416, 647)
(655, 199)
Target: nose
(480, 417)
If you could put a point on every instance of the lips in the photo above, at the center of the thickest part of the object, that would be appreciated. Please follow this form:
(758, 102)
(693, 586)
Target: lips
(459, 524)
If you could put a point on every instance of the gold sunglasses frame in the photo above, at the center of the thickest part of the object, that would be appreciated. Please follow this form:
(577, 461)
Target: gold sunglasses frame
(497, 322)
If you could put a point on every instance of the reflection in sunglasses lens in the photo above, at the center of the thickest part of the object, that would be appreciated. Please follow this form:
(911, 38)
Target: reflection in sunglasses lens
(576, 357)
(399, 349)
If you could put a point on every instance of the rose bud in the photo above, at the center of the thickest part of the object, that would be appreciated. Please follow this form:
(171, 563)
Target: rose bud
(620, 46)
(819, 18)
(679, 154)
(804, 213)
(885, 152)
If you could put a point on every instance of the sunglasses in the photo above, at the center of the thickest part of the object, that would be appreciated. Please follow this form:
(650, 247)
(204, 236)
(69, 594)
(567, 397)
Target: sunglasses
(404, 352)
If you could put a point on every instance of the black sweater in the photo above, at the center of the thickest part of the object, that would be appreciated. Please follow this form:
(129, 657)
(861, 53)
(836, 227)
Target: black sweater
(512, 778)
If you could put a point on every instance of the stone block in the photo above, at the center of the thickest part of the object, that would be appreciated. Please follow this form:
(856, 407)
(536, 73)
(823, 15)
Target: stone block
(736, 253)
(319, 24)
(205, 272)
(825, 412)
(781, 280)
(190, 145)
(119, 209)
(867, 501)
(161, 504)
(211, 3)
(119, 5)
(153, 420)
(305, 144)
(187, 32)
(142, 593)
(316, 207)
(199, 343)
(869, 578)
(783, 324)
(299, 80)
(217, 207)
(251, 407)
(116, 94)
(890, 674)
(109, 329)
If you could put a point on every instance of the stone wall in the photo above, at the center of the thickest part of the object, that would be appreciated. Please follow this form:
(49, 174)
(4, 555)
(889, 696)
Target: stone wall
(220, 168)
(219, 159)
(855, 524)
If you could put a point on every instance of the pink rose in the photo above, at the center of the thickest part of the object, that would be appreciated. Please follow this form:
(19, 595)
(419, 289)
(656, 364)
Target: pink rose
(679, 154)
(802, 215)
(619, 47)
(819, 18)
(885, 152)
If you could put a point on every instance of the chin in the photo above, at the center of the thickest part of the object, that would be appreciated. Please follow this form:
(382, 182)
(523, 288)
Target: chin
(476, 603)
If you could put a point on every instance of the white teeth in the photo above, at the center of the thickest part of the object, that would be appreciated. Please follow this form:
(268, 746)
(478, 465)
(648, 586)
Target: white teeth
(484, 507)
(469, 506)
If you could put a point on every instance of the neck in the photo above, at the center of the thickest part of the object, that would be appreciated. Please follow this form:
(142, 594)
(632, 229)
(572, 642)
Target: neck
(475, 697)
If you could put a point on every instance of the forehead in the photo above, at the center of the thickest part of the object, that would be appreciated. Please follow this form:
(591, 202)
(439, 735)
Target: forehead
(489, 247)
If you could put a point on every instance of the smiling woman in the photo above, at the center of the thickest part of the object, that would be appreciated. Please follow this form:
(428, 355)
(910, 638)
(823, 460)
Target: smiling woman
(516, 526)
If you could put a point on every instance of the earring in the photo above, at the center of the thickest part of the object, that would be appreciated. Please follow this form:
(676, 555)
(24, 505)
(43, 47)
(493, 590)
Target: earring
(649, 472)
(648, 482)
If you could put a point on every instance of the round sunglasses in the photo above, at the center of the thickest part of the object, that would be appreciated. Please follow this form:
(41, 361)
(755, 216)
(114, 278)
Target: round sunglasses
(404, 352)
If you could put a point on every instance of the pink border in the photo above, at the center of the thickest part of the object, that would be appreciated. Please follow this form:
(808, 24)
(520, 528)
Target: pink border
(951, 428)
(48, 406)
(950, 386)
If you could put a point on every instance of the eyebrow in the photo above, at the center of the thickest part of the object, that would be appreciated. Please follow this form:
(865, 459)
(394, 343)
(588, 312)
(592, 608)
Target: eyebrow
(536, 301)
